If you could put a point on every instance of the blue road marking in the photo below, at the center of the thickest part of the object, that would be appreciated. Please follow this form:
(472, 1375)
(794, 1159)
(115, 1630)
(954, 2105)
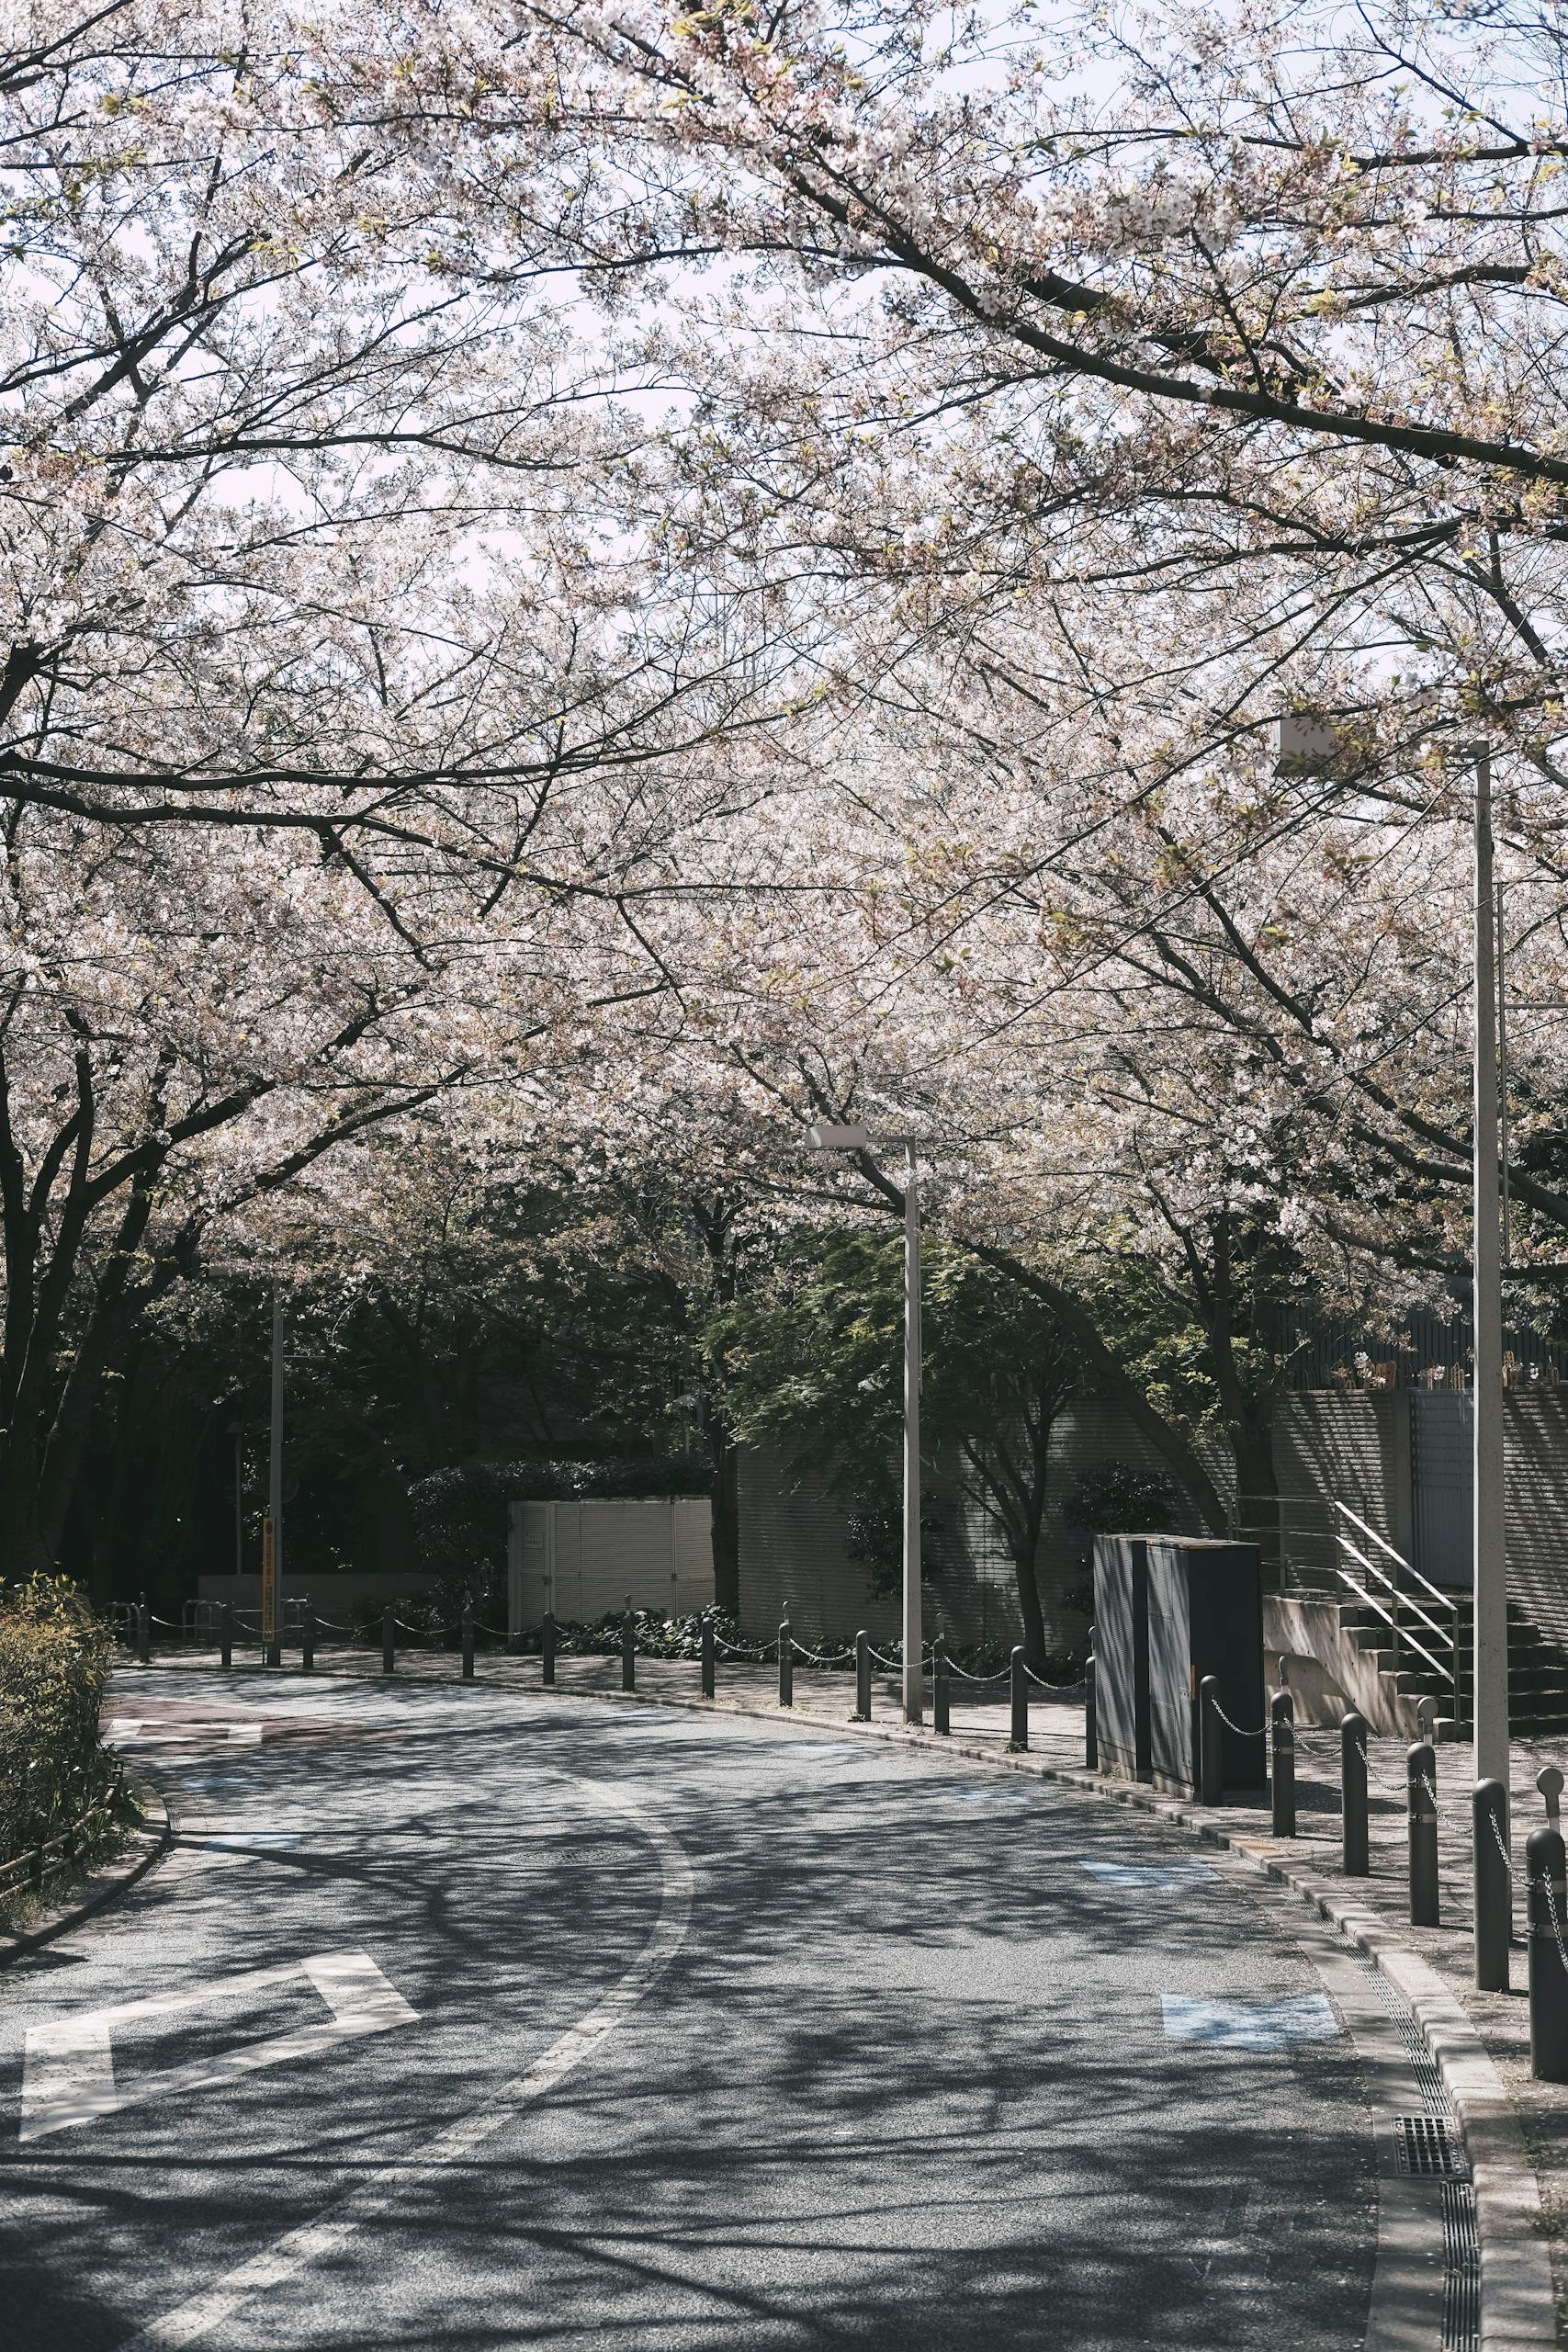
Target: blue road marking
(1250, 2025)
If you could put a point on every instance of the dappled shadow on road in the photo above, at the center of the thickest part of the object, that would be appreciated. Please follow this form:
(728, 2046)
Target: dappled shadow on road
(904, 2081)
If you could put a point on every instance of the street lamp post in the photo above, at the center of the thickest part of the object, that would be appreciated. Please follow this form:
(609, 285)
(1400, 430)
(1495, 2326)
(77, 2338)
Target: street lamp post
(272, 1533)
(1491, 1605)
(826, 1136)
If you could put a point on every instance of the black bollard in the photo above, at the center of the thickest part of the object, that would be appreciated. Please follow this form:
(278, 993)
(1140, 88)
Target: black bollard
(1020, 1702)
(1548, 1912)
(143, 1633)
(707, 1654)
(942, 1689)
(1421, 1786)
(468, 1641)
(548, 1647)
(1353, 1795)
(226, 1635)
(1494, 1887)
(1091, 1720)
(786, 1666)
(388, 1643)
(629, 1647)
(862, 1680)
(1282, 1744)
(1211, 1755)
(308, 1641)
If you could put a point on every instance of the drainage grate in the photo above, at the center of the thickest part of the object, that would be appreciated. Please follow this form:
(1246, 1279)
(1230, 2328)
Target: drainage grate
(1430, 2144)
(1461, 2252)
(1462, 2283)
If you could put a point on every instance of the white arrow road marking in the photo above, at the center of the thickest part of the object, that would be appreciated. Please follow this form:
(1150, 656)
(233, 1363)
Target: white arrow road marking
(190, 2322)
(68, 2069)
(68, 2075)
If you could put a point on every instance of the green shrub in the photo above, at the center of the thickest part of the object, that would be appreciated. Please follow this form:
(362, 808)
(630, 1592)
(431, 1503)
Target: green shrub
(54, 1666)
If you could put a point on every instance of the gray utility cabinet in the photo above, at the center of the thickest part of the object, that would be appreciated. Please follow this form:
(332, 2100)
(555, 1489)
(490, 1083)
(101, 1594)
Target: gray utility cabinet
(1122, 1653)
(1205, 1616)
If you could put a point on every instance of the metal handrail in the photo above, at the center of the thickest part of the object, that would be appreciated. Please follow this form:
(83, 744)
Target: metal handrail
(1346, 1577)
(1399, 1598)
(1443, 1600)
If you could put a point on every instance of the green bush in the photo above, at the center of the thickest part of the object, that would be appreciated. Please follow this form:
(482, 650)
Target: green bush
(54, 1666)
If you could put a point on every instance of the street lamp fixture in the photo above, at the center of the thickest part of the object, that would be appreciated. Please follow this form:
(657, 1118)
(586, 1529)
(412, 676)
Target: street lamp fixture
(828, 1136)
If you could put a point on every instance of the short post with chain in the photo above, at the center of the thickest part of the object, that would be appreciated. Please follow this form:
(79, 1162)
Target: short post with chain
(1091, 1720)
(1210, 1755)
(1548, 1910)
(1283, 1762)
(1494, 1887)
(1421, 1792)
(1357, 1860)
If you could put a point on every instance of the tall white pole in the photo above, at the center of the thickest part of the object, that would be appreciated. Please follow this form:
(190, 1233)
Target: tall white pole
(1491, 1559)
(274, 1463)
(914, 1639)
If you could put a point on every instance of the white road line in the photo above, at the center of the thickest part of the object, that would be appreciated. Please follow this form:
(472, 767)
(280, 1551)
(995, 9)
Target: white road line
(191, 2322)
(69, 2072)
(166, 1735)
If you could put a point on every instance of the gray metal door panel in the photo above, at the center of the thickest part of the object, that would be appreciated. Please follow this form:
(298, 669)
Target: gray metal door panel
(1442, 1471)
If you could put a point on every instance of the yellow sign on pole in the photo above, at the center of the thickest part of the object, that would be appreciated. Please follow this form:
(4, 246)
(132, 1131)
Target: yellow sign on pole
(269, 1582)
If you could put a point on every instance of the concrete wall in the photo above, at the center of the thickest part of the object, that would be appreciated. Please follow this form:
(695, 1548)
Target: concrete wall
(1358, 1447)
(587, 1560)
(1535, 1482)
(794, 1554)
(1355, 1446)
(794, 1546)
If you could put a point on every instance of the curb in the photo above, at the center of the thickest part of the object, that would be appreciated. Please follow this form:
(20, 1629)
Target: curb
(105, 1885)
(1518, 2312)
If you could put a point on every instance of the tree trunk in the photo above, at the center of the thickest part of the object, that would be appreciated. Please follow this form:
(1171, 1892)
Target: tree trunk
(1257, 1491)
(23, 1550)
(1029, 1607)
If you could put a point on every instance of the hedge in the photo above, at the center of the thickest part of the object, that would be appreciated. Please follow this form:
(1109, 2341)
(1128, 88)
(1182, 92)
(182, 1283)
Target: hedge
(54, 1666)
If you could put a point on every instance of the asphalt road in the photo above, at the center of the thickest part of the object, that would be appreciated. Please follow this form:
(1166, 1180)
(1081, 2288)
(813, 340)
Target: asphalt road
(465, 2021)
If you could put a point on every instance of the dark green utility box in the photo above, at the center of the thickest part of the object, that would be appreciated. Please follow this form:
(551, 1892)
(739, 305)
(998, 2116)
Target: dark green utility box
(1121, 1654)
(1205, 1599)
